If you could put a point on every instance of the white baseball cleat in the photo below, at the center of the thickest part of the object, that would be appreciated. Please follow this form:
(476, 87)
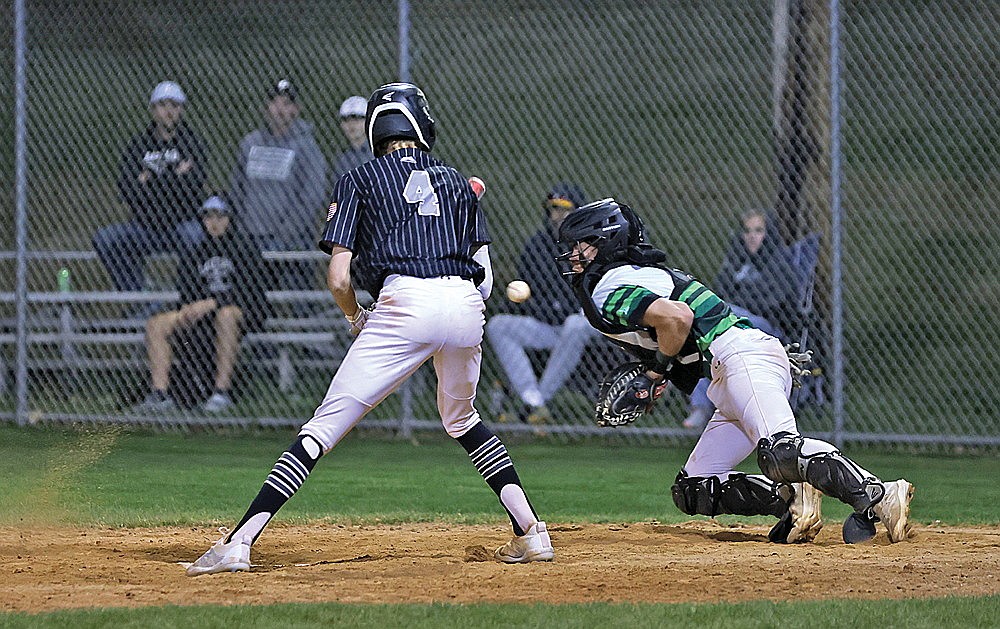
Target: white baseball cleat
(807, 520)
(534, 545)
(894, 509)
(222, 557)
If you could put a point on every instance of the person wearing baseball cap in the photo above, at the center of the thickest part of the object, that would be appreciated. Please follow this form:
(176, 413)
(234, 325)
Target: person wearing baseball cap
(167, 90)
(352, 124)
(161, 179)
(220, 296)
(279, 185)
(550, 319)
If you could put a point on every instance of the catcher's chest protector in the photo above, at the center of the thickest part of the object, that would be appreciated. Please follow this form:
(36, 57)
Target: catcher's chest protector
(684, 375)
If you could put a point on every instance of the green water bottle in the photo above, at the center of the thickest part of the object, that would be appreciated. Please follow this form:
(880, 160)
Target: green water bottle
(62, 279)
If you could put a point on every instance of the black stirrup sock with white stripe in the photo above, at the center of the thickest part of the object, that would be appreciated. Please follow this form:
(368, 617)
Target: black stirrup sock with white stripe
(287, 475)
(490, 457)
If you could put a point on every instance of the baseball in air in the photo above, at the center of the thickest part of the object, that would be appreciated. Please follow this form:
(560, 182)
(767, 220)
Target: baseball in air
(518, 291)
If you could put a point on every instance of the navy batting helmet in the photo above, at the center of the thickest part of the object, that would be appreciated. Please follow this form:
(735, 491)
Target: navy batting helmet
(399, 111)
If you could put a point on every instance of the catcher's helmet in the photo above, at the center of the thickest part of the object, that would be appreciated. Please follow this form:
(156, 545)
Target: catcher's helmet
(399, 111)
(602, 224)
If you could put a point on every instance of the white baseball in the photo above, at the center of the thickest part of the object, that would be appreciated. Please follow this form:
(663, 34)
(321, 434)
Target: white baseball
(518, 291)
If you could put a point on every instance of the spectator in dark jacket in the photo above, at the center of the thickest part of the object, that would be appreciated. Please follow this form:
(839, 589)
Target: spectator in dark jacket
(758, 282)
(220, 279)
(550, 319)
(279, 187)
(757, 275)
(161, 178)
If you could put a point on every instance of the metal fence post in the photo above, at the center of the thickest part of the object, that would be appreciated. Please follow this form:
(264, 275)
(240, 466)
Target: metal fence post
(404, 41)
(836, 225)
(21, 209)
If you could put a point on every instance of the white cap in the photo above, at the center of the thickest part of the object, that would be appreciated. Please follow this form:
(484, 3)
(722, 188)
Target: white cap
(216, 204)
(354, 106)
(167, 90)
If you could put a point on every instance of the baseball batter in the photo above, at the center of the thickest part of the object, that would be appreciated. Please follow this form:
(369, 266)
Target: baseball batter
(679, 329)
(411, 229)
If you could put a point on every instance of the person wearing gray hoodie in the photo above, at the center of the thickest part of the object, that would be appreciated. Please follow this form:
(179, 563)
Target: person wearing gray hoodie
(279, 186)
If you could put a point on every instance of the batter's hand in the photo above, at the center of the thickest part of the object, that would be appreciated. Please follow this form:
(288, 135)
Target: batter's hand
(359, 319)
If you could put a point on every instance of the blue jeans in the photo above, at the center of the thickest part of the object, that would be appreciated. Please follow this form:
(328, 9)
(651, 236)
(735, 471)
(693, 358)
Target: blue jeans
(699, 397)
(510, 335)
(123, 248)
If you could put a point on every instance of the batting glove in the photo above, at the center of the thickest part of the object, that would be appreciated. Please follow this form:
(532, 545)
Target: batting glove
(797, 362)
(359, 319)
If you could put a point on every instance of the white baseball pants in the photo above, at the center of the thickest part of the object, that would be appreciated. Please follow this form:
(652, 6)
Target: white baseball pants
(750, 386)
(415, 319)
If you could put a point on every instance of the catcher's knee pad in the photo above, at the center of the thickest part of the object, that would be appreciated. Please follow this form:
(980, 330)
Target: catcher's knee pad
(780, 457)
(788, 458)
(743, 494)
(695, 495)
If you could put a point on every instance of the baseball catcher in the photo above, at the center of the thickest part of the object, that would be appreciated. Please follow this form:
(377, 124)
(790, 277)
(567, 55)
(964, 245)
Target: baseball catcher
(679, 330)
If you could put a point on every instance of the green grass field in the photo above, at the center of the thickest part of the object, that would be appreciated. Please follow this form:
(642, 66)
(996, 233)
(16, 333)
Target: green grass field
(112, 477)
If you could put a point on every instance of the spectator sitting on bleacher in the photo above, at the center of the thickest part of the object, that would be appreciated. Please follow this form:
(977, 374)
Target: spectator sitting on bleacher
(551, 319)
(161, 178)
(221, 279)
(279, 187)
(758, 282)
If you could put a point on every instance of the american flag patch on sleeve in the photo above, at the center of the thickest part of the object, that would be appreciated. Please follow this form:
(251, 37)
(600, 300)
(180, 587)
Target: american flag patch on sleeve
(330, 212)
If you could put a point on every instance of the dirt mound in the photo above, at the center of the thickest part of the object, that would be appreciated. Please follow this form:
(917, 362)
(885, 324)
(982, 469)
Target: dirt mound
(702, 561)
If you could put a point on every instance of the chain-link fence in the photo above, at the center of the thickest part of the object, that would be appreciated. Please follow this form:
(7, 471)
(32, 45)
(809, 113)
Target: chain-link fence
(874, 129)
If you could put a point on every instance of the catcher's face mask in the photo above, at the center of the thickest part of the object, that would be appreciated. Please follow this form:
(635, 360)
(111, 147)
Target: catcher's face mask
(577, 258)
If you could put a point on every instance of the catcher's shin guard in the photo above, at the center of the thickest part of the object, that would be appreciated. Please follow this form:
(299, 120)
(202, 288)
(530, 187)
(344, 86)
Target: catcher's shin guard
(790, 458)
(741, 494)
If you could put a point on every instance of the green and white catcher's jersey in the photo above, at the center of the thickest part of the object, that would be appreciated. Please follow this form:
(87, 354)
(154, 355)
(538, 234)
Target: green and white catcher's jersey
(623, 294)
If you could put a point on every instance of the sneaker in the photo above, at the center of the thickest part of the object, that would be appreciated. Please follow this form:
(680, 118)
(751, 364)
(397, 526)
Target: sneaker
(217, 403)
(894, 510)
(535, 415)
(222, 557)
(155, 402)
(534, 545)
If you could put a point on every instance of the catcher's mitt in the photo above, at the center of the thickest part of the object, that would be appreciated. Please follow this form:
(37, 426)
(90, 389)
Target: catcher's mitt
(616, 386)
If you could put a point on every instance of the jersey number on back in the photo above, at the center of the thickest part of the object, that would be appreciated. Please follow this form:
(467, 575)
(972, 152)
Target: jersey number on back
(420, 190)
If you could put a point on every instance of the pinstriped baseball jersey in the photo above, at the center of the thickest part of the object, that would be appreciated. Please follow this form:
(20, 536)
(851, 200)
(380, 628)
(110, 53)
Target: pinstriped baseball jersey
(406, 213)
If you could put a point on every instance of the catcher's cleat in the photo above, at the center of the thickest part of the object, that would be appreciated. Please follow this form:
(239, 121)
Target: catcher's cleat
(534, 545)
(894, 510)
(803, 520)
(222, 557)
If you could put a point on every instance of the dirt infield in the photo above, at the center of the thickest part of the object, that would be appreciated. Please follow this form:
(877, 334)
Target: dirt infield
(59, 568)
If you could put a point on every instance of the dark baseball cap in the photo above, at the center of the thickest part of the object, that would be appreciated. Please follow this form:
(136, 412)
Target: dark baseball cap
(565, 195)
(283, 87)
